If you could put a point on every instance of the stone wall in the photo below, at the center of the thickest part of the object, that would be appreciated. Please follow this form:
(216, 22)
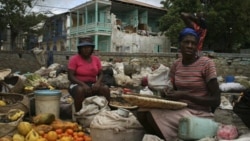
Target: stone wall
(25, 61)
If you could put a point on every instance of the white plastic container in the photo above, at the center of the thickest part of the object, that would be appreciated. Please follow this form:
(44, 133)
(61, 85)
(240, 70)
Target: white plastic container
(194, 128)
(47, 101)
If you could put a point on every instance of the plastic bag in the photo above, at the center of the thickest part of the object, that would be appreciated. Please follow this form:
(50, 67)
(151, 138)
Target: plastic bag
(148, 137)
(227, 132)
(159, 77)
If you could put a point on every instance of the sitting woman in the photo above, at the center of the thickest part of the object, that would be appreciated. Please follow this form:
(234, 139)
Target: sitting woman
(194, 82)
(85, 75)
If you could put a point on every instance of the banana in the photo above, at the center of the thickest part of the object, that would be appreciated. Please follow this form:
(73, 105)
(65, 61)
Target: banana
(15, 116)
(51, 87)
(2, 103)
(29, 88)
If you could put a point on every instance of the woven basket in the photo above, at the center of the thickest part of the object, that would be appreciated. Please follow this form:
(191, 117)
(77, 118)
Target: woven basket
(14, 101)
(11, 127)
(153, 102)
(16, 82)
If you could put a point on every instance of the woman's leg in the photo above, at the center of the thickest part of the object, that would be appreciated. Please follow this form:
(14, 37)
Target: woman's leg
(78, 95)
(104, 91)
(147, 121)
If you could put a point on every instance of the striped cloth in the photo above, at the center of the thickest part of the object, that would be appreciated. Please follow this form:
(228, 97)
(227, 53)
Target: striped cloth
(193, 77)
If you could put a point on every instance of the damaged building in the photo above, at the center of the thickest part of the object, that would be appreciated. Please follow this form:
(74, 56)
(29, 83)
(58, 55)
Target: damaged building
(117, 26)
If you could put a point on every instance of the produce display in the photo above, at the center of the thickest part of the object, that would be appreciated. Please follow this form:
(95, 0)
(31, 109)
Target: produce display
(45, 127)
(35, 81)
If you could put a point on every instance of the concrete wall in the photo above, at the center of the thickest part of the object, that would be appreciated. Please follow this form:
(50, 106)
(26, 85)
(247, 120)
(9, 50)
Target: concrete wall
(227, 64)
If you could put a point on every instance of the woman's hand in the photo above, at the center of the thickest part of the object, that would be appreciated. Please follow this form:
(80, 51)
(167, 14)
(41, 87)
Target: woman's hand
(95, 88)
(176, 95)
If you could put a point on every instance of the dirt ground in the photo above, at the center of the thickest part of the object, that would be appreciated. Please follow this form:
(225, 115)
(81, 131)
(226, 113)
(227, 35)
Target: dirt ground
(228, 117)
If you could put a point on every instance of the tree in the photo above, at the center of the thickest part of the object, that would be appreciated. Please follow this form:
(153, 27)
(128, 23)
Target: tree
(227, 22)
(13, 14)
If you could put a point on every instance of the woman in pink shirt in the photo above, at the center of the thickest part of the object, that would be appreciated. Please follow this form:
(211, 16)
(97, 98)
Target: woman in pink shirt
(85, 75)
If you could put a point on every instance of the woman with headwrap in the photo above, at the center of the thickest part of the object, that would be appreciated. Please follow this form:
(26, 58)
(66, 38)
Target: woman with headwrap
(194, 81)
(85, 75)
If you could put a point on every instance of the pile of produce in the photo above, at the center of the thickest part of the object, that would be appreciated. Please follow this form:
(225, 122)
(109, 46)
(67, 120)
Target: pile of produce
(45, 127)
(35, 81)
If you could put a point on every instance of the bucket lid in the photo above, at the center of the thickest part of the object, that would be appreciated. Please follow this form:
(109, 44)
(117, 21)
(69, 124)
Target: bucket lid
(47, 92)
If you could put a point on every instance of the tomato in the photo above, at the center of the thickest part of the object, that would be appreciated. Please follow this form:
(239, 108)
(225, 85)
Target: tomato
(70, 131)
(59, 131)
(80, 139)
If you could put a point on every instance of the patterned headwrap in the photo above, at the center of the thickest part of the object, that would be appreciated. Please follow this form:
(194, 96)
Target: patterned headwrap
(188, 31)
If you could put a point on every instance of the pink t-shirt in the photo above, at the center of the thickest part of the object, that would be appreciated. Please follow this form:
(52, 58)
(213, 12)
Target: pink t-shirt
(85, 71)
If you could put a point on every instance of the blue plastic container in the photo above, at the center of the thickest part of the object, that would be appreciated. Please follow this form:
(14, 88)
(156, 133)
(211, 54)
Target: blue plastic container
(195, 128)
(47, 101)
(229, 79)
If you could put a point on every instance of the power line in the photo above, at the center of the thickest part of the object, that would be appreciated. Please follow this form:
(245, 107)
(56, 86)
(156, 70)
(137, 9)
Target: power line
(33, 6)
(51, 6)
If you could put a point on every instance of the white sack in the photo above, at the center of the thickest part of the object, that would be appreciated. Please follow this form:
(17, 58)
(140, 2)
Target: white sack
(112, 120)
(91, 106)
(159, 77)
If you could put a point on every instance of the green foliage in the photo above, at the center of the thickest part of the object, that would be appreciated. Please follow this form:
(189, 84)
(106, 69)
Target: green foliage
(13, 13)
(227, 22)
(12, 9)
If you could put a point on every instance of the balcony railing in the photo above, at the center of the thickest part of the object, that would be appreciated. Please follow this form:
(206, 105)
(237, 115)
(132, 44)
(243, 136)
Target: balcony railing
(91, 28)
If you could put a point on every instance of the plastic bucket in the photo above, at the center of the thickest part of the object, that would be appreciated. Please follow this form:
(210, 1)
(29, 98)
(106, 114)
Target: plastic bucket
(47, 101)
(229, 79)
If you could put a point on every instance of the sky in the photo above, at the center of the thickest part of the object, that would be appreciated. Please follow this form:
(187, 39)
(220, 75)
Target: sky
(57, 6)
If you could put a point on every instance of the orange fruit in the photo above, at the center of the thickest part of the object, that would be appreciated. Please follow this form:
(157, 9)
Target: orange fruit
(66, 139)
(87, 138)
(80, 134)
(52, 136)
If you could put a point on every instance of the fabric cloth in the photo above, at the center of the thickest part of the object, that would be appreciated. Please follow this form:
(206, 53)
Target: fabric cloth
(85, 71)
(112, 120)
(4, 73)
(91, 107)
(188, 31)
(168, 120)
(148, 137)
(202, 32)
(198, 74)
